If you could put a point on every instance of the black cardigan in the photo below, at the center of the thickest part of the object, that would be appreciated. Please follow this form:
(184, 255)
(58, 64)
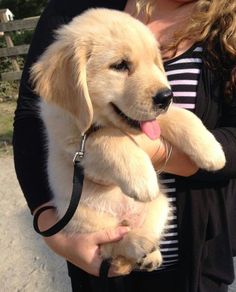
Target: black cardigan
(206, 201)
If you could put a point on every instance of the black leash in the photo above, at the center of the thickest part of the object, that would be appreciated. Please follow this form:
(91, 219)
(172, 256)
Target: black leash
(78, 179)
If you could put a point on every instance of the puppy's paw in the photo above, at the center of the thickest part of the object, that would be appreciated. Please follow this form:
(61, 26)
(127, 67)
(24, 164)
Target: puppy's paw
(142, 187)
(212, 158)
(127, 252)
(122, 265)
(151, 261)
(186, 131)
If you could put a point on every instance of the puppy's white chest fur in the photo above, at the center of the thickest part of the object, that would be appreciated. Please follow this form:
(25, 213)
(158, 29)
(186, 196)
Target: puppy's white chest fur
(112, 201)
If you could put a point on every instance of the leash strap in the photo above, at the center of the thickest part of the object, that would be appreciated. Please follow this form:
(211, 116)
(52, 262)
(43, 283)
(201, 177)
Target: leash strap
(104, 268)
(78, 179)
(102, 285)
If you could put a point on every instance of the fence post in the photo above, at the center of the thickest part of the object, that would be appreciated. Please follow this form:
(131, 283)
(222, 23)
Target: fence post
(4, 18)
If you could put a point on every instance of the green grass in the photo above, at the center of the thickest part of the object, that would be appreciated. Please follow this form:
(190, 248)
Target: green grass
(7, 109)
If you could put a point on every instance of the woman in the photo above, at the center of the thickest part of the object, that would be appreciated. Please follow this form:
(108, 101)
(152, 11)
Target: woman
(198, 45)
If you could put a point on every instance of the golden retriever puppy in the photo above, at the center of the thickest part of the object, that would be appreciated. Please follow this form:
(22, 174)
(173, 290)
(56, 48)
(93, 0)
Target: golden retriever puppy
(105, 69)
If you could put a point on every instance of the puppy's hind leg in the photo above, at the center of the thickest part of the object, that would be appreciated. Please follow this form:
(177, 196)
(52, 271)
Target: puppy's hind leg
(140, 247)
(156, 220)
(127, 252)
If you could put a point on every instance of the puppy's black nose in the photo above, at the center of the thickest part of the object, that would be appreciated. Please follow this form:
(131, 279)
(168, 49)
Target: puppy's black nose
(163, 99)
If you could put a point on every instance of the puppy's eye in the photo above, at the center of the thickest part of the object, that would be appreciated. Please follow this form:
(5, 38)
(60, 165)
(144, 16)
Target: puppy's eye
(121, 66)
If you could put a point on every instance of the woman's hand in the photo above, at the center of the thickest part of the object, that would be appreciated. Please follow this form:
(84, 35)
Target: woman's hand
(82, 250)
(178, 163)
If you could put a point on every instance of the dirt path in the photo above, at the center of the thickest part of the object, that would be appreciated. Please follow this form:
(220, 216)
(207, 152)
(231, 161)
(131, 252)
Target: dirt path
(26, 263)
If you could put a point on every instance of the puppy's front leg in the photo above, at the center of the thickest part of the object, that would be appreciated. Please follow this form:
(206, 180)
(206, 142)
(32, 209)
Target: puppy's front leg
(186, 131)
(113, 158)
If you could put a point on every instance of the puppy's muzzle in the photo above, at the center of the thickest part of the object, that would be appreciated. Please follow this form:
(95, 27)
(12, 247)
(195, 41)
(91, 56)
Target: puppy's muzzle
(162, 99)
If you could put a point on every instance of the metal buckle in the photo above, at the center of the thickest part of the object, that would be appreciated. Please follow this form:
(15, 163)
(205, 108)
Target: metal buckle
(80, 154)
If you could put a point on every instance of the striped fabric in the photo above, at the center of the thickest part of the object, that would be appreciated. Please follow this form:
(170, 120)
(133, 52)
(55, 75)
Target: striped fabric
(183, 74)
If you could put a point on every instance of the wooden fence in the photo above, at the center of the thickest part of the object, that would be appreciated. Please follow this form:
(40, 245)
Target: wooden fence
(12, 51)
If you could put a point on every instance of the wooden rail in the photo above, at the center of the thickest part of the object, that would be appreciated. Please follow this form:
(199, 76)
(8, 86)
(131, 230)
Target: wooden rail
(21, 24)
(12, 51)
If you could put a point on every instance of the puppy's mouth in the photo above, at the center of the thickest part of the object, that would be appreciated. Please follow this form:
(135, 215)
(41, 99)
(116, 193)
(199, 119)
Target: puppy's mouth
(133, 123)
(150, 128)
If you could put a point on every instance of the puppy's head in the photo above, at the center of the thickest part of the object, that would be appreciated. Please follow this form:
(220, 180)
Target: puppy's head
(104, 68)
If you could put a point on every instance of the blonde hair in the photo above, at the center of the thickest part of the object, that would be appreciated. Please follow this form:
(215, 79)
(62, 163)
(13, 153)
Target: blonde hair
(144, 6)
(214, 23)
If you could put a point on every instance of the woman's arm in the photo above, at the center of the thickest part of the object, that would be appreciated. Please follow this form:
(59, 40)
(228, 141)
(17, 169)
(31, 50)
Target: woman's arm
(81, 250)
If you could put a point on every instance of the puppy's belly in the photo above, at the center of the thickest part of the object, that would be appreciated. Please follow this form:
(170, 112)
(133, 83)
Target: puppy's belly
(111, 201)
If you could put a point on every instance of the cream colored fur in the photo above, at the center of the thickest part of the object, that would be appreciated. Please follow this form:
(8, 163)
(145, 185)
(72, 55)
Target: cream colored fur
(77, 84)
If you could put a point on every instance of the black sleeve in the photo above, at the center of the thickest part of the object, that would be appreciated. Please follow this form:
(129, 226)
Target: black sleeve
(29, 143)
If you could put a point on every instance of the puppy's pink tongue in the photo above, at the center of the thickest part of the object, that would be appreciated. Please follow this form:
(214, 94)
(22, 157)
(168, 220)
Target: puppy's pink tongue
(151, 129)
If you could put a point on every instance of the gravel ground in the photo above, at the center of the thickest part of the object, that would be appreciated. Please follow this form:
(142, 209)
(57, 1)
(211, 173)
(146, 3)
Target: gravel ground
(26, 264)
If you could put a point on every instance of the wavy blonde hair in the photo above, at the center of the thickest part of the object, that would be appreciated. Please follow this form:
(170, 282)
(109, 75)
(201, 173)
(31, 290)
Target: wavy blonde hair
(214, 23)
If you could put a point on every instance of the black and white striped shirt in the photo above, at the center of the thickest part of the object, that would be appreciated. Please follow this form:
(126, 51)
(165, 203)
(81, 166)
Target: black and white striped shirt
(183, 75)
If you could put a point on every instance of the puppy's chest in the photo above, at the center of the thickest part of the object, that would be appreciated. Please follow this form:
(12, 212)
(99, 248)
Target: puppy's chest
(131, 213)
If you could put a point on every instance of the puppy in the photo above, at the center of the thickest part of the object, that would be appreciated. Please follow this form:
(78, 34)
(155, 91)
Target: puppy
(105, 69)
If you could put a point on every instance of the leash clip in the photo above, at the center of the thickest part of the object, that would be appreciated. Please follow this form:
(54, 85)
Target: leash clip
(80, 154)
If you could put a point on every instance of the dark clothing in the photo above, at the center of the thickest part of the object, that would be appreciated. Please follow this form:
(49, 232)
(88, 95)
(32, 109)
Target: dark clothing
(206, 201)
(167, 281)
(135, 282)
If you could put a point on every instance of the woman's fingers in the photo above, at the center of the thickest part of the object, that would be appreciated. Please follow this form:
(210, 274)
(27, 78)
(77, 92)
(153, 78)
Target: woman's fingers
(110, 235)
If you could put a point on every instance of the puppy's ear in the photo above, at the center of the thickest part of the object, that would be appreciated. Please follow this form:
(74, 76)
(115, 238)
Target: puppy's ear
(158, 60)
(59, 77)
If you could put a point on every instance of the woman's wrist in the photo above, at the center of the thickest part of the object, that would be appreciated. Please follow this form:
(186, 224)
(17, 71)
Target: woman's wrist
(165, 157)
(180, 164)
(161, 157)
(168, 158)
